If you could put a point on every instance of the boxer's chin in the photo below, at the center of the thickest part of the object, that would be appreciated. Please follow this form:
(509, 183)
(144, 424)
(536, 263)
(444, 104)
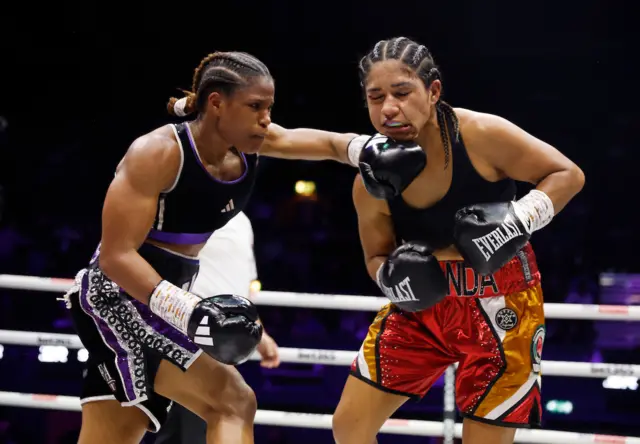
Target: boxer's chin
(404, 133)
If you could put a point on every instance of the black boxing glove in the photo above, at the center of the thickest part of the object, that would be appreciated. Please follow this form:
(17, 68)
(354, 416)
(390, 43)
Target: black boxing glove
(411, 278)
(388, 167)
(489, 235)
(225, 326)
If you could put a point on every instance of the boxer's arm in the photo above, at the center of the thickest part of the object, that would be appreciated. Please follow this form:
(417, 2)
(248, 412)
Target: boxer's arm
(374, 226)
(149, 167)
(521, 156)
(308, 144)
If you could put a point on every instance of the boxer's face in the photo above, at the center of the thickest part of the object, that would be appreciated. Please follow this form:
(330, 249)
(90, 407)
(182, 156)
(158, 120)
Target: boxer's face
(245, 115)
(399, 104)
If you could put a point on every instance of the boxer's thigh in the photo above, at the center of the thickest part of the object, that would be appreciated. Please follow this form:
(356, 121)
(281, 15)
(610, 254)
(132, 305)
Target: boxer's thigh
(207, 387)
(107, 422)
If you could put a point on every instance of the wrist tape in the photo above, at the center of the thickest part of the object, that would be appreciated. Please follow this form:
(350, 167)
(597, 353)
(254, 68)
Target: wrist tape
(355, 148)
(173, 304)
(535, 210)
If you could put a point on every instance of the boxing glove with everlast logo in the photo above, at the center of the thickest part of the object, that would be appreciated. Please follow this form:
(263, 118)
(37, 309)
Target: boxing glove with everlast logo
(388, 167)
(411, 278)
(489, 235)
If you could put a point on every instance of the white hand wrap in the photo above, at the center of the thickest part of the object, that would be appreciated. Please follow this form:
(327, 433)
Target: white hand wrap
(535, 210)
(378, 275)
(173, 304)
(355, 148)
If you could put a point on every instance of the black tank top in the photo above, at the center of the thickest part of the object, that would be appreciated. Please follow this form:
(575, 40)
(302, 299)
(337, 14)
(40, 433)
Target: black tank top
(198, 204)
(434, 225)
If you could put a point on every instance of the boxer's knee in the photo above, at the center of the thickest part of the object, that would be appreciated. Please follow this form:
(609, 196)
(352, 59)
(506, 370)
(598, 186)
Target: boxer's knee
(351, 424)
(350, 428)
(236, 400)
(342, 432)
(475, 432)
(362, 411)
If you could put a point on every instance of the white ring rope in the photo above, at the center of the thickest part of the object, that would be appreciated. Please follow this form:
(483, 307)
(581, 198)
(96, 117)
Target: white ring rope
(335, 357)
(346, 302)
(319, 421)
(341, 358)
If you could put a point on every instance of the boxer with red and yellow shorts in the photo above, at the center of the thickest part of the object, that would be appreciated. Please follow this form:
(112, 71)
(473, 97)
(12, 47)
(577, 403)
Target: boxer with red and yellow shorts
(493, 326)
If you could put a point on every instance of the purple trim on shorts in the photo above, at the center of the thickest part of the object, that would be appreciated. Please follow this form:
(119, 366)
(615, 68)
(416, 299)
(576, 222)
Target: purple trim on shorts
(195, 152)
(179, 238)
(162, 327)
(108, 335)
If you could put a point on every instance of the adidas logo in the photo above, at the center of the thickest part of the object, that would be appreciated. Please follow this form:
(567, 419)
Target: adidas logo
(203, 329)
(228, 207)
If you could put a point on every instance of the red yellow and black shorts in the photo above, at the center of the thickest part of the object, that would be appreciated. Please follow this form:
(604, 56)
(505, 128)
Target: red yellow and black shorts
(492, 326)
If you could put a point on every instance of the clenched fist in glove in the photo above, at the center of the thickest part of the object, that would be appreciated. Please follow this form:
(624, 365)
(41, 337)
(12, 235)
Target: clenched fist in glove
(489, 235)
(388, 167)
(225, 326)
(411, 278)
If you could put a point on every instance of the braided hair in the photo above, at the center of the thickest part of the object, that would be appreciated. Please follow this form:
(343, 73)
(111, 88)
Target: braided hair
(419, 59)
(220, 71)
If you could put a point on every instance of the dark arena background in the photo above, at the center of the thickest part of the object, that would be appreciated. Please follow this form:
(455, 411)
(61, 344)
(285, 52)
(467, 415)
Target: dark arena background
(80, 81)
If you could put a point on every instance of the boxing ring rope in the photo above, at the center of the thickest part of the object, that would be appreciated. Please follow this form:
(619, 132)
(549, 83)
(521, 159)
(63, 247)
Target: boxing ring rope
(319, 421)
(341, 358)
(333, 357)
(347, 302)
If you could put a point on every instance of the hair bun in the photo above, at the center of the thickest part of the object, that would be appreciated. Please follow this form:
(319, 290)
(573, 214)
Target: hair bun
(181, 107)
